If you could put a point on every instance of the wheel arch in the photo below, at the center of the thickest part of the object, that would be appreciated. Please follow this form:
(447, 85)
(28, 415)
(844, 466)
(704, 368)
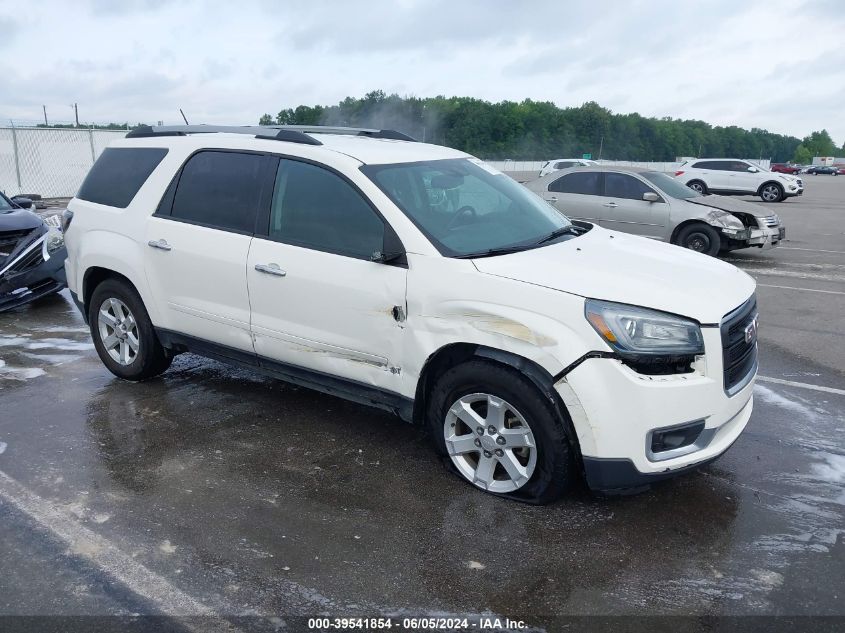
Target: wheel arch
(683, 225)
(771, 182)
(454, 354)
(93, 277)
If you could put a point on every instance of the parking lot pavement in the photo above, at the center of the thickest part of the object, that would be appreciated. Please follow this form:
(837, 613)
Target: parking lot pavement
(214, 490)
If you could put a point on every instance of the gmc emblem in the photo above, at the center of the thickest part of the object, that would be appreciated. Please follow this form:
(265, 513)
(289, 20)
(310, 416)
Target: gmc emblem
(751, 331)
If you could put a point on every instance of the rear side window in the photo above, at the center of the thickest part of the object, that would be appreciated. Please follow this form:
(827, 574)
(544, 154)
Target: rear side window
(564, 165)
(221, 189)
(315, 208)
(718, 165)
(585, 183)
(118, 174)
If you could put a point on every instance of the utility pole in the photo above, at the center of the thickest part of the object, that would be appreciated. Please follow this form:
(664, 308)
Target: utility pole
(45, 115)
(601, 146)
(76, 114)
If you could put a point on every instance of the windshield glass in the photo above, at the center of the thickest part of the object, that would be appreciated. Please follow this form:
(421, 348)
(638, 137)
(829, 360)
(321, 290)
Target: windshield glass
(670, 186)
(464, 207)
(4, 205)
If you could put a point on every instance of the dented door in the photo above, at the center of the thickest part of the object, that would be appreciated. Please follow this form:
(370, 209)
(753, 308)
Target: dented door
(326, 312)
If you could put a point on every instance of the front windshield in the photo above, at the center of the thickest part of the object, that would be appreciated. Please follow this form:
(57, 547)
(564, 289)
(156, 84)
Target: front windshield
(4, 205)
(670, 186)
(465, 207)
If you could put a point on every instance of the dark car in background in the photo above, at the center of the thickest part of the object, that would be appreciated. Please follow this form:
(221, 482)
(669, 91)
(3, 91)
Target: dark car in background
(823, 170)
(32, 254)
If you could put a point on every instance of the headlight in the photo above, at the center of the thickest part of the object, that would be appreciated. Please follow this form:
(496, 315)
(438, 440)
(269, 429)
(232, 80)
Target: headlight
(721, 218)
(53, 242)
(633, 331)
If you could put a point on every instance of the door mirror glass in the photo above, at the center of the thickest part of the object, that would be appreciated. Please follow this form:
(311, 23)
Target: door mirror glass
(650, 196)
(753, 170)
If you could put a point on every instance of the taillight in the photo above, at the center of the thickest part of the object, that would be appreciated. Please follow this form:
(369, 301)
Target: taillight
(67, 216)
(679, 172)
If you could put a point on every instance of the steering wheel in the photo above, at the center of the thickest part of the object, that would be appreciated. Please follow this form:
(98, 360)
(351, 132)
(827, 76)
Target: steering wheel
(464, 210)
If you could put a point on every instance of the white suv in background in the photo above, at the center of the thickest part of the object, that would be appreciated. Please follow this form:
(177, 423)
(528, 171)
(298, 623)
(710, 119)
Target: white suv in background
(564, 163)
(735, 177)
(417, 279)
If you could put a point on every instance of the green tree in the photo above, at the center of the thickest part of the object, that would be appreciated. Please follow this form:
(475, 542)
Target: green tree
(819, 144)
(802, 155)
(265, 119)
(531, 130)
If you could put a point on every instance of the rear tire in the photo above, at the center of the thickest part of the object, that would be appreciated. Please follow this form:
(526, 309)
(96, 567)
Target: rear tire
(524, 451)
(699, 186)
(123, 334)
(701, 238)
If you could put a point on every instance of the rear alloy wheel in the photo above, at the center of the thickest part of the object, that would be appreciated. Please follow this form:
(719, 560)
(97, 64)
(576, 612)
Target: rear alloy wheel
(697, 185)
(123, 334)
(771, 192)
(701, 238)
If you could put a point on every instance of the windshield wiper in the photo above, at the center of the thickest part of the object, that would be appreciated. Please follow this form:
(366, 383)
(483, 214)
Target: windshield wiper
(564, 230)
(492, 252)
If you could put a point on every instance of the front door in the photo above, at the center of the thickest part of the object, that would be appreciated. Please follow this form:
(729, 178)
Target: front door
(319, 301)
(628, 212)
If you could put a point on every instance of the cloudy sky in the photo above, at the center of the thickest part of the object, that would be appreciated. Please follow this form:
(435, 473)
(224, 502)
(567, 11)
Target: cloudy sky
(773, 64)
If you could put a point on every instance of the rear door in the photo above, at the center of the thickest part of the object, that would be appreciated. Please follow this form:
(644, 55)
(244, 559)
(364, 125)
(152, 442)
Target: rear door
(319, 301)
(577, 195)
(198, 242)
(628, 212)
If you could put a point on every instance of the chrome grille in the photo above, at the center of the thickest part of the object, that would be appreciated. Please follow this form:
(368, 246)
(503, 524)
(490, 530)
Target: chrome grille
(770, 221)
(33, 258)
(8, 241)
(739, 345)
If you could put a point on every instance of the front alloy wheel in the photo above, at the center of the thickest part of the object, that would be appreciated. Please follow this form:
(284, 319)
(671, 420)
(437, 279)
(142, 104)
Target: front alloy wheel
(490, 442)
(771, 193)
(118, 331)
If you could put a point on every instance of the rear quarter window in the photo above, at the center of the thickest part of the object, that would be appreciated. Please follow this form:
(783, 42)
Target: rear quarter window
(119, 173)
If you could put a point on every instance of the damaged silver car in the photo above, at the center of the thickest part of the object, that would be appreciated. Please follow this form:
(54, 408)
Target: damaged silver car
(32, 254)
(655, 205)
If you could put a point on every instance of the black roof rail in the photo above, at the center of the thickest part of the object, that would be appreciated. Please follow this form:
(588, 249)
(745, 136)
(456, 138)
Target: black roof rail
(290, 133)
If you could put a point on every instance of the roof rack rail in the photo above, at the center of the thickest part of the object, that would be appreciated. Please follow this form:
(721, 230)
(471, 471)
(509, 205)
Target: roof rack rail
(290, 133)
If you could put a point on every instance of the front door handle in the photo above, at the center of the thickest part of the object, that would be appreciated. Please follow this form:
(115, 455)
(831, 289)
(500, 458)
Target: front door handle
(270, 269)
(611, 205)
(160, 244)
(552, 199)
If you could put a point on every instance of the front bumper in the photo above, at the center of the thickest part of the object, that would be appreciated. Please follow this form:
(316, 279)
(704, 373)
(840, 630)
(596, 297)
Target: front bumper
(767, 238)
(615, 410)
(19, 288)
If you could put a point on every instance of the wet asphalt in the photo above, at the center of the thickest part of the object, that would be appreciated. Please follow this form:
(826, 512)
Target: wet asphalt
(215, 490)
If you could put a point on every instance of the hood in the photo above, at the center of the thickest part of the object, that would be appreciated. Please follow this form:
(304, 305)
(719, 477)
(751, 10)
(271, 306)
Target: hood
(731, 205)
(19, 220)
(628, 269)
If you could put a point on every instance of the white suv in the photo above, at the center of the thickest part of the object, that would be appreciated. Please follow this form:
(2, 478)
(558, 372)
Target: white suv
(417, 279)
(734, 177)
(564, 163)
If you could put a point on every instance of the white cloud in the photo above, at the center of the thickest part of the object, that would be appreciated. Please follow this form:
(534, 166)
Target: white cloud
(774, 64)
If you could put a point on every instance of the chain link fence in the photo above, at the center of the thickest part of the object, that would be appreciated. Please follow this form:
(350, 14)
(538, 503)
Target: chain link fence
(50, 162)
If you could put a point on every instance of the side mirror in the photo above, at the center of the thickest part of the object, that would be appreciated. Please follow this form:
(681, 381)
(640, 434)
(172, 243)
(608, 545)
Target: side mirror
(650, 196)
(753, 170)
(23, 203)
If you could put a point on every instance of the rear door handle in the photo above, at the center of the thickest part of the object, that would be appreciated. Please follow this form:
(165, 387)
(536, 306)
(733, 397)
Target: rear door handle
(160, 244)
(611, 205)
(270, 269)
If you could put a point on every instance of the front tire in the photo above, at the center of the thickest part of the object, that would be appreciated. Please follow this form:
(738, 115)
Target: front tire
(701, 238)
(123, 333)
(499, 433)
(771, 192)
